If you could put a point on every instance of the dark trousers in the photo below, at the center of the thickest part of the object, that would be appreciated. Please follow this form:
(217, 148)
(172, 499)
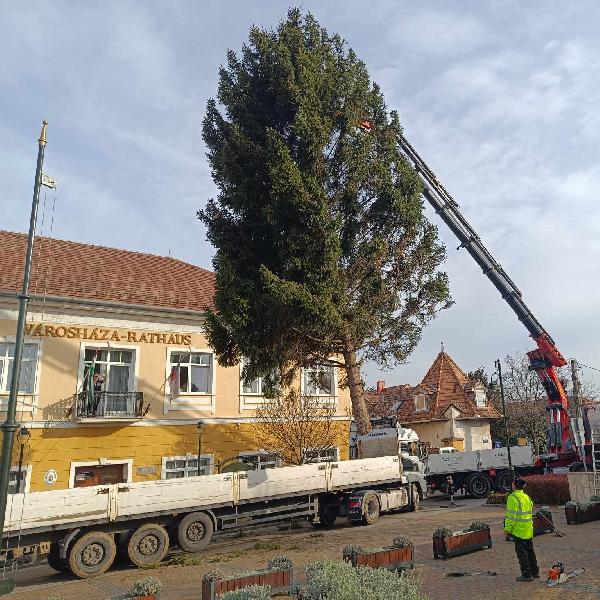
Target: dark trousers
(526, 556)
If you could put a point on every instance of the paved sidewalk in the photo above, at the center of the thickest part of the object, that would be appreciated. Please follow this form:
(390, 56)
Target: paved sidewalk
(579, 548)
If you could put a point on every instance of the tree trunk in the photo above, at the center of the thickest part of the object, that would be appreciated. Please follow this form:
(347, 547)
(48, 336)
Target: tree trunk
(357, 392)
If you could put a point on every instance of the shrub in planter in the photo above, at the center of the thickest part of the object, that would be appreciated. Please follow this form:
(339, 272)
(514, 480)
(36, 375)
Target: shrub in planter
(252, 592)
(328, 580)
(278, 575)
(548, 489)
(447, 544)
(395, 557)
(583, 512)
(477, 526)
(146, 589)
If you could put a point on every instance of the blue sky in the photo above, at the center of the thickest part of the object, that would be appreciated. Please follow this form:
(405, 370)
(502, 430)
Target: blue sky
(500, 97)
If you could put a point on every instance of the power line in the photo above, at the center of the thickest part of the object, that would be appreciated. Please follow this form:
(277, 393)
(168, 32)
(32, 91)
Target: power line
(588, 366)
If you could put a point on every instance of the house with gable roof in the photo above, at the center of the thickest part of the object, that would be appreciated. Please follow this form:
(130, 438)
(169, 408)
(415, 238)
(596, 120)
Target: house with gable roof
(445, 409)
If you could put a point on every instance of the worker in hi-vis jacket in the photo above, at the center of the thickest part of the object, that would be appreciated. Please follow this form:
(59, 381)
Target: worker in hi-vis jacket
(519, 524)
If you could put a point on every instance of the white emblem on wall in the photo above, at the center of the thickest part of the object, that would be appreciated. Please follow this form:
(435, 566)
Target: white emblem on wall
(50, 477)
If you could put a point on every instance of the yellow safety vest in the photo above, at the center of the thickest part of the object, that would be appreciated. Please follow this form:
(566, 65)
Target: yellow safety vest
(519, 515)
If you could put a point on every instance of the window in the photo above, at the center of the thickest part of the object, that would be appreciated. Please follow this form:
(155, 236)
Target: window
(260, 460)
(420, 402)
(480, 398)
(319, 456)
(319, 381)
(17, 480)
(253, 387)
(195, 371)
(113, 370)
(175, 467)
(28, 367)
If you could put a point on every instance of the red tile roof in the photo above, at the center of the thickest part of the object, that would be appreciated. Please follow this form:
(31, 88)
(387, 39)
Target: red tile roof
(444, 384)
(87, 272)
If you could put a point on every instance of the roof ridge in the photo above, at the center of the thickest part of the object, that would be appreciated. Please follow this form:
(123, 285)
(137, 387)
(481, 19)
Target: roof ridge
(88, 245)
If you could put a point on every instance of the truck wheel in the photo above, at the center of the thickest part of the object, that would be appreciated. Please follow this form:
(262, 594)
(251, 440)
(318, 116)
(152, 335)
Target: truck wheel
(415, 497)
(194, 532)
(370, 509)
(148, 545)
(55, 561)
(92, 554)
(503, 482)
(479, 485)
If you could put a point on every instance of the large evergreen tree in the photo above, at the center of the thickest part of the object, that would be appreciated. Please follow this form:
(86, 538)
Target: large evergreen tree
(323, 251)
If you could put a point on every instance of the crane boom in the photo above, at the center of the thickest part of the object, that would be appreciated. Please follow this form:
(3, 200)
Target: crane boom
(546, 357)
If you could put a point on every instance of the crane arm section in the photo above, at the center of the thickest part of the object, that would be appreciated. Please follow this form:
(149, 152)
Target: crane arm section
(546, 357)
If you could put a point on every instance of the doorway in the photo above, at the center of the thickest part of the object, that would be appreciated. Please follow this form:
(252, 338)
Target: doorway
(99, 475)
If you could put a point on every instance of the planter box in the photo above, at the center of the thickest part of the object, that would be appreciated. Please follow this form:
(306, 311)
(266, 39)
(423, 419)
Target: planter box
(278, 581)
(461, 543)
(576, 516)
(395, 559)
(540, 526)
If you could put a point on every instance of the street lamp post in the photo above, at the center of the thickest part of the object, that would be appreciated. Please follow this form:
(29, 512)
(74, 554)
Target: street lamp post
(22, 437)
(10, 425)
(498, 365)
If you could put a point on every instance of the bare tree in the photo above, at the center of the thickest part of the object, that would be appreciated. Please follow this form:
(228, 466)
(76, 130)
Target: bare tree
(297, 427)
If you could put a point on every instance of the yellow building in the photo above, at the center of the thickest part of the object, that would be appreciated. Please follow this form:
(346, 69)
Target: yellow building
(137, 318)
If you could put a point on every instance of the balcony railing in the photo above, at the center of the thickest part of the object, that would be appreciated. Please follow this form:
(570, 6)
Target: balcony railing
(110, 405)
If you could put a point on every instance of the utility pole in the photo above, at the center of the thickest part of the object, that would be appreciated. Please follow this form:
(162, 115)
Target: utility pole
(506, 437)
(579, 439)
(10, 425)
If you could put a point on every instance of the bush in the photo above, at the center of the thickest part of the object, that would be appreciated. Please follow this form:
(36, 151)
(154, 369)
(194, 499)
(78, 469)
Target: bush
(442, 532)
(548, 489)
(402, 542)
(280, 563)
(252, 592)
(584, 505)
(146, 587)
(328, 580)
(478, 526)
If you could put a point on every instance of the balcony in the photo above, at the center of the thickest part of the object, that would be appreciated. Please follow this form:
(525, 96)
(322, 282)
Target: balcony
(109, 406)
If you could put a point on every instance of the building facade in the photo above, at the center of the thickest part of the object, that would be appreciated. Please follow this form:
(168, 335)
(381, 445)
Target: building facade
(133, 320)
(447, 409)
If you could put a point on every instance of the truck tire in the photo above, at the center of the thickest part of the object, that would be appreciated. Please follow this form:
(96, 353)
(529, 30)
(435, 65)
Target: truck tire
(415, 498)
(479, 485)
(92, 554)
(503, 481)
(371, 509)
(195, 531)
(55, 561)
(148, 545)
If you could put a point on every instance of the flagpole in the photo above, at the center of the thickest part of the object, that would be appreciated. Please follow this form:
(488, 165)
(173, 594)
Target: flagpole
(10, 425)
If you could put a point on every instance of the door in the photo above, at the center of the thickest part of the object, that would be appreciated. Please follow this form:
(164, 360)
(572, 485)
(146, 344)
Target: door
(99, 475)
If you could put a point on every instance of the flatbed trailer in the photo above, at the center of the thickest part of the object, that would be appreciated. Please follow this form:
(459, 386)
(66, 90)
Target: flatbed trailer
(478, 472)
(83, 530)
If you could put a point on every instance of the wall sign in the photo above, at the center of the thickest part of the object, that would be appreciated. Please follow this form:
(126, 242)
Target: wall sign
(50, 477)
(146, 470)
(106, 335)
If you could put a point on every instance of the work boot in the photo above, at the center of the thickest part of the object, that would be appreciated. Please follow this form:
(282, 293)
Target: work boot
(523, 578)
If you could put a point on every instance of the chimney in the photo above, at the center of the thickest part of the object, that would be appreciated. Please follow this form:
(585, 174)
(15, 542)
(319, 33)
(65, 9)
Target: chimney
(380, 386)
